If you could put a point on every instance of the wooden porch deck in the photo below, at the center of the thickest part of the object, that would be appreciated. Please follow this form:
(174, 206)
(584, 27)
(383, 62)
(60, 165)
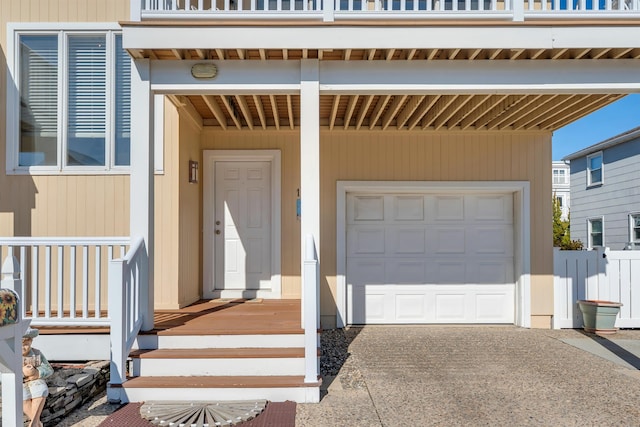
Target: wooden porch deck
(215, 317)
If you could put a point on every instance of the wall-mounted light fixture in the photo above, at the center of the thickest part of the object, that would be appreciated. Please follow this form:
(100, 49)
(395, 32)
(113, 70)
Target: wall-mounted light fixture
(204, 71)
(193, 171)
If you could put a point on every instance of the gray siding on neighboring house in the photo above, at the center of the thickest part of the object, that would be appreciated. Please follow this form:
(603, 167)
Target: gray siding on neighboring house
(614, 200)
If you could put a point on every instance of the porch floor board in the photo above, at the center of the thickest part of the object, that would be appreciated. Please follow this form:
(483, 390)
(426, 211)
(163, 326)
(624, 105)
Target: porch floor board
(230, 317)
(214, 317)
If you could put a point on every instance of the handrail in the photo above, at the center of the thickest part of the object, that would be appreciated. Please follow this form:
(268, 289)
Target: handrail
(311, 314)
(126, 284)
(63, 241)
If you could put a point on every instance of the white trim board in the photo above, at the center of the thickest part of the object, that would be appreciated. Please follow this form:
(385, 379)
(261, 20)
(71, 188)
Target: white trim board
(209, 157)
(522, 253)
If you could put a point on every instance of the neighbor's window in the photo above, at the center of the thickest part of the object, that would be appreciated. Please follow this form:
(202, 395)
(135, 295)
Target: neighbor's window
(74, 100)
(559, 200)
(559, 176)
(594, 169)
(596, 235)
(634, 229)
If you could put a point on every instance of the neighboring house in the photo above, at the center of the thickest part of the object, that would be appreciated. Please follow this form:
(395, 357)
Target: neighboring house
(402, 146)
(605, 192)
(560, 186)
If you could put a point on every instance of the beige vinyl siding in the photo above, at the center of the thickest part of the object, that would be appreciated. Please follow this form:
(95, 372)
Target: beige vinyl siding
(288, 143)
(166, 227)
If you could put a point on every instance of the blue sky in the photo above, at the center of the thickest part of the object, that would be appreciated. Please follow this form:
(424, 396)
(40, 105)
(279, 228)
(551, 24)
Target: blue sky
(609, 121)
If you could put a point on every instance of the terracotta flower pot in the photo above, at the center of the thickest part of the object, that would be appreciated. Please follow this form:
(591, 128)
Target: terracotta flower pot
(599, 317)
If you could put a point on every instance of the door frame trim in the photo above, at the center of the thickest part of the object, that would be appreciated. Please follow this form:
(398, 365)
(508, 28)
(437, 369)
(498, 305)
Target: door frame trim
(209, 158)
(521, 227)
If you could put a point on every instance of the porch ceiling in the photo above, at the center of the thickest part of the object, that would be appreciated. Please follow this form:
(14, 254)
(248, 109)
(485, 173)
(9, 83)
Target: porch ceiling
(407, 112)
(402, 112)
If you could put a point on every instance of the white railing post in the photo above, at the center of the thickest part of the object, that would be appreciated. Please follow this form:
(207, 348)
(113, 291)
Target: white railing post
(136, 10)
(11, 371)
(11, 277)
(518, 10)
(311, 313)
(328, 8)
(117, 314)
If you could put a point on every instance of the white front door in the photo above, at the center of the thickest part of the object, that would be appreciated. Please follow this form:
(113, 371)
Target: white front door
(242, 228)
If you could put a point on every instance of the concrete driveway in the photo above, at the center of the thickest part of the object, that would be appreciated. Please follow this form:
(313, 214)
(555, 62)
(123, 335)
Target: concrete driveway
(481, 376)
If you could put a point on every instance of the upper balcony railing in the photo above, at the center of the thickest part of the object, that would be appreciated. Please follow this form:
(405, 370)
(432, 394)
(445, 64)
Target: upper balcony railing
(330, 10)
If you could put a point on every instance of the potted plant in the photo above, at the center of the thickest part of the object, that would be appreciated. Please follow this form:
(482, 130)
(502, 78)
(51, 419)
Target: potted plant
(599, 317)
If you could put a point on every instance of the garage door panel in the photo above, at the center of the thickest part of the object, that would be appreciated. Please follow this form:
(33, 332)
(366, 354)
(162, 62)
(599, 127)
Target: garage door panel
(406, 240)
(406, 272)
(490, 208)
(365, 208)
(366, 271)
(448, 240)
(496, 239)
(448, 208)
(367, 240)
(430, 258)
(408, 208)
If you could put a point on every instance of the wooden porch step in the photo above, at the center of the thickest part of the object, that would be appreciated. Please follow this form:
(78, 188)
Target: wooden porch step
(220, 382)
(218, 353)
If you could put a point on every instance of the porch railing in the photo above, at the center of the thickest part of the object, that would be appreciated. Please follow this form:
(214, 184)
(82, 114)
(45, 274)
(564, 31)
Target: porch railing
(310, 312)
(330, 10)
(126, 286)
(64, 280)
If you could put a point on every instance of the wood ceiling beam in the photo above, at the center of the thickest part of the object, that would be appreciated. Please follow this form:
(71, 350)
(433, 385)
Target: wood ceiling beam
(474, 54)
(263, 54)
(227, 102)
(178, 53)
(437, 108)
(517, 53)
(495, 111)
(220, 54)
(274, 111)
(347, 54)
(260, 108)
(577, 54)
(432, 54)
(411, 54)
(290, 112)
(135, 53)
(451, 110)
(484, 108)
(378, 109)
(495, 53)
(390, 53)
(425, 106)
(559, 54)
(334, 111)
(599, 53)
(285, 54)
(371, 54)
(535, 113)
(241, 53)
(213, 106)
(398, 100)
(586, 107)
(408, 110)
(575, 105)
(475, 102)
(537, 53)
(244, 107)
(619, 53)
(202, 54)
(515, 109)
(351, 106)
(454, 53)
(363, 110)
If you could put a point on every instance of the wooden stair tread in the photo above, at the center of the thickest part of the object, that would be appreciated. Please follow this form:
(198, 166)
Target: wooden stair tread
(220, 382)
(218, 353)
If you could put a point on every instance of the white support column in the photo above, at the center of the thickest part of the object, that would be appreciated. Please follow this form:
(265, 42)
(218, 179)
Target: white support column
(142, 189)
(309, 157)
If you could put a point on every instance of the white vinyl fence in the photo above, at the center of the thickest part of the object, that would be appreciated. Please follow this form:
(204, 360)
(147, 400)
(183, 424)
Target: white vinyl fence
(599, 274)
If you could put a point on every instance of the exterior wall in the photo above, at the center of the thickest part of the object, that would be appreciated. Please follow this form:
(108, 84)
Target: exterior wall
(614, 200)
(428, 156)
(59, 205)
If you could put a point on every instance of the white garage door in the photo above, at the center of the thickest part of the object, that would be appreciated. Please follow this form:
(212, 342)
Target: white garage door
(430, 258)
